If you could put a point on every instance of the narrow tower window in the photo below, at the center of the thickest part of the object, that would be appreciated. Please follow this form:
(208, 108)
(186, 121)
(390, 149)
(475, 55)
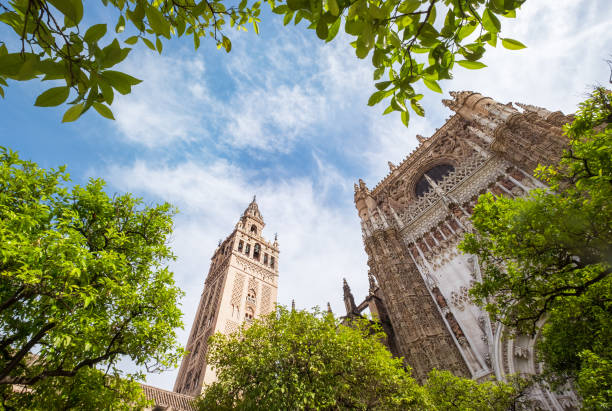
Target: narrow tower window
(251, 296)
(256, 252)
(247, 249)
(248, 316)
(265, 259)
(240, 245)
(272, 262)
(254, 229)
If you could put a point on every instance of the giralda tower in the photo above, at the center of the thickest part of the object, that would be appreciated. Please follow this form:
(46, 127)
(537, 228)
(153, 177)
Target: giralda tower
(242, 284)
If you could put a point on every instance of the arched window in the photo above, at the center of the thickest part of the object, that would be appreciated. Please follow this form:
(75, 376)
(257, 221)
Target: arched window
(240, 245)
(272, 262)
(251, 296)
(265, 259)
(256, 251)
(254, 229)
(247, 249)
(436, 173)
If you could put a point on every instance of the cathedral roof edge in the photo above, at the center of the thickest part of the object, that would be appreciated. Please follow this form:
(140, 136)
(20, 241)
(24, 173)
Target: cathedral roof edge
(421, 148)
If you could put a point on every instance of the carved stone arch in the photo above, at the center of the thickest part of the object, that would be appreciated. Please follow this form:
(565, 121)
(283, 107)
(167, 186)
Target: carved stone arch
(516, 355)
(422, 169)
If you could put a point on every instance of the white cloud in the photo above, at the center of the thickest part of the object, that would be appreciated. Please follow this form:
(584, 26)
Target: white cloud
(163, 109)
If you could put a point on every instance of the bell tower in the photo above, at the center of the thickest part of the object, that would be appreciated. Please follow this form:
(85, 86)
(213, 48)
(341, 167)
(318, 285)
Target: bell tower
(242, 284)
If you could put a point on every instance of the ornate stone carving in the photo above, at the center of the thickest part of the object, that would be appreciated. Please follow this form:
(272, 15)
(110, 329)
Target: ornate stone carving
(411, 239)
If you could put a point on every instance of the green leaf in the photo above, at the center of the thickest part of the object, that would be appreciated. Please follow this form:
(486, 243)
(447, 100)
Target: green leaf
(383, 85)
(408, 6)
(322, 30)
(95, 33)
(472, 65)
(490, 22)
(150, 44)
(466, 30)
(53, 97)
(107, 91)
(511, 44)
(362, 51)
(282, 9)
(376, 12)
(333, 30)
(120, 81)
(103, 110)
(12, 65)
(405, 118)
(157, 21)
(73, 113)
(376, 97)
(378, 73)
(388, 110)
(158, 45)
(227, 44)
(72, 9)
(417, 107)
(131, 40)
(432, 85)
(333, 7)
(120, 26)
(113, 54)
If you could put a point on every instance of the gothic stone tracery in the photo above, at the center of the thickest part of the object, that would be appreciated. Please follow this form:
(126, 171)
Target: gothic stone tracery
(414, 218)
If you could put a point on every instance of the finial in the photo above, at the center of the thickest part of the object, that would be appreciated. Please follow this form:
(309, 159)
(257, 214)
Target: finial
(449, 103)
(292, 305)
(420, 138)
(254, 197)
(275, 237)
(329, 310)
(391, 166)
(219, 245)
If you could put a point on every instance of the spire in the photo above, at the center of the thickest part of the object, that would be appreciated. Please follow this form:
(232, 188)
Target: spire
(349, 300)
(420, 138)
(362, 185)
(459, 98)
(292, 305)
(329, 310)
(391, 166)
(252, 211)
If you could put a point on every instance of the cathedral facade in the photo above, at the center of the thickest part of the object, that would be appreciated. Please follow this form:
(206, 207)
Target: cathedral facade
(413, 220)
(242, 284)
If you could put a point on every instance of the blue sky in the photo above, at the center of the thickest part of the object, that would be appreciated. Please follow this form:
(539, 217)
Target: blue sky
(284, 116)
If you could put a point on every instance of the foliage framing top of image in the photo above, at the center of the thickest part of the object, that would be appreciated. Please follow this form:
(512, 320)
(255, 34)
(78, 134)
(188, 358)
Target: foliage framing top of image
(446, 32)
(55, 46)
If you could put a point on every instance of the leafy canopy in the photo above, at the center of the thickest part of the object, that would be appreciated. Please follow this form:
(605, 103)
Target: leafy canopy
(302, 360)
(54, 45)
(84, 284)
(548, 256)
(410, 41)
